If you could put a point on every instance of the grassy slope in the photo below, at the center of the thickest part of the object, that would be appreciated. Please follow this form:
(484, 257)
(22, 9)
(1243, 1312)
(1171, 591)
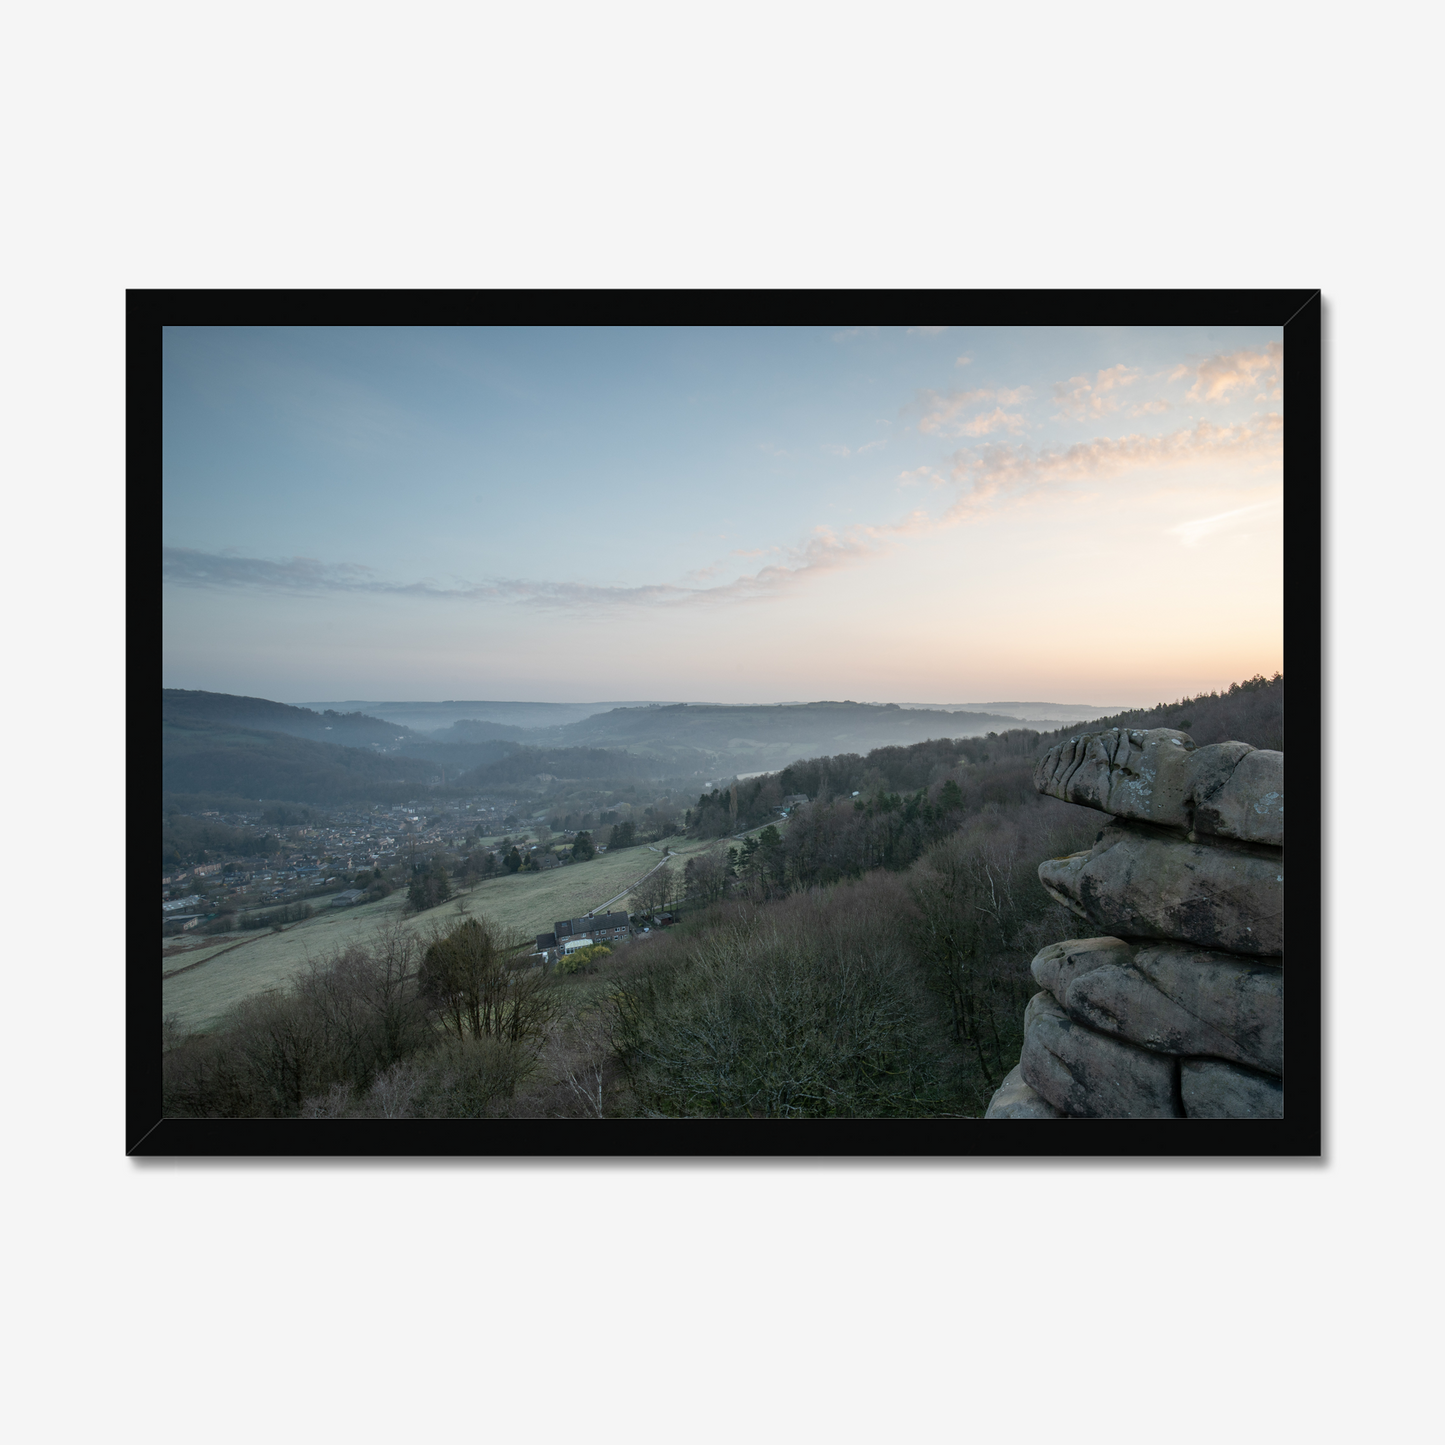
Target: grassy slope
(529, 901)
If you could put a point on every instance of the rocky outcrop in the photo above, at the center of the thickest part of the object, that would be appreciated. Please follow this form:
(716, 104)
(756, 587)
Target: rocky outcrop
(1170, 998)
(1228, 790)
(1219, 1091)
(1088, 1075)
(1015, 1100)
(1144, 882)
(1178, 1010)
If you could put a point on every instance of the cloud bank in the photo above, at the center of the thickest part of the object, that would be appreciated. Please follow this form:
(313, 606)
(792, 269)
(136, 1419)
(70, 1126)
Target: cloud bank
(942, 415)
(985, 477)
(1221, 378)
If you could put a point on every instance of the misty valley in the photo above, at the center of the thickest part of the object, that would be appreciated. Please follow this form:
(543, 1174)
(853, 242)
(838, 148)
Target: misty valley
(633, 910)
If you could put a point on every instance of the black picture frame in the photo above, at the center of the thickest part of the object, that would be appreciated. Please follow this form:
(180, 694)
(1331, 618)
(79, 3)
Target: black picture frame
(1298, 1134)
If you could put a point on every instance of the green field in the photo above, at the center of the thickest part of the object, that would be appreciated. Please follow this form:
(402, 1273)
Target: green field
(234, 969)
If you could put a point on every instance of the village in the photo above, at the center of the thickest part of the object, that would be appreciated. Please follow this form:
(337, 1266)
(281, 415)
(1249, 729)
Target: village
(424, 859)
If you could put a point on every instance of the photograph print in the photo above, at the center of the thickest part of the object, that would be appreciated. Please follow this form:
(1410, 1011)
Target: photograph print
(568, 731)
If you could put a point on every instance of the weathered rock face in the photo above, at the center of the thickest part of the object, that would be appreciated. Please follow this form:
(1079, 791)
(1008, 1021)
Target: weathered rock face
(1144, 882)
(1179, 1012)
(1171, 998)
(1158, 776)
(1089, 1075)
(1054, 968)
(1015, 1100)
(1212, 1090)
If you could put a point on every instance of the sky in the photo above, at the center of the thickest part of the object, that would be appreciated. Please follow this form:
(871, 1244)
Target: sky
(567, 514)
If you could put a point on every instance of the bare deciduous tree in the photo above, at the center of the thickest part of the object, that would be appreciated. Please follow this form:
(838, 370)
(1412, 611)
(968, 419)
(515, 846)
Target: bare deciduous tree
(705, 876)
(655, 891)
(471, 973)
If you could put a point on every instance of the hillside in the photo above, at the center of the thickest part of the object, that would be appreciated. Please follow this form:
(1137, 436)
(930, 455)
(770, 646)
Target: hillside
(221, 709)
(515, 717)
(525, 765)
(201, 758)
(757, 737)
(243, 747)
(996, 769)
(1249, 712)
(453, 753)
(470, 731)
(674, 739)
(1035, 714)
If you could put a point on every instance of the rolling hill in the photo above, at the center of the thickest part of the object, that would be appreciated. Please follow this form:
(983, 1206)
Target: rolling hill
(751, 738)
(222, 760)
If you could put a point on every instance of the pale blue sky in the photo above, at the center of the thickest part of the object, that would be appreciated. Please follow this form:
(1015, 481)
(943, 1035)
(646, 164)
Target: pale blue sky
(735, 514)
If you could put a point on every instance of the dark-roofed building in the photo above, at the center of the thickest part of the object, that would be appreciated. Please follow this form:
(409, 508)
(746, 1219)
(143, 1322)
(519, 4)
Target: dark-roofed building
(596, 927)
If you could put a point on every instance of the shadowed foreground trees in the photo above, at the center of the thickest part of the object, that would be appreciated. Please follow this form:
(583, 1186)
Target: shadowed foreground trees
(705, 876)
(807, 1008)
(429, 885)
(405, 1029)
(896, 994)
(979, 916)
(655, 892)
(475, 976)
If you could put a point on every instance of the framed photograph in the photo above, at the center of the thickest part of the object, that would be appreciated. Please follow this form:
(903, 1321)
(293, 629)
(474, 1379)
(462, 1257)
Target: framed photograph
(720, 723)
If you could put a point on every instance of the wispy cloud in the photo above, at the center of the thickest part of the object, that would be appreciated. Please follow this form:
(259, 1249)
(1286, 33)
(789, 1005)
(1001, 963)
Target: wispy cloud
(187, 567)
(1080, 399)
(991, 476)
(991, 472)
(996, 420)
(1220, 377)
(1192, 533)
(919, 475)
(964, 361)
(836, 449)
(927, 330)
(854, 333)
(942, 416)
(824, 551)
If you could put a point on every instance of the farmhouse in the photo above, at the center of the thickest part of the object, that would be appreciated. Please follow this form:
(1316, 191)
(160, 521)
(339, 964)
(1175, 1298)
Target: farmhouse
(597, 927)
(570, 934)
